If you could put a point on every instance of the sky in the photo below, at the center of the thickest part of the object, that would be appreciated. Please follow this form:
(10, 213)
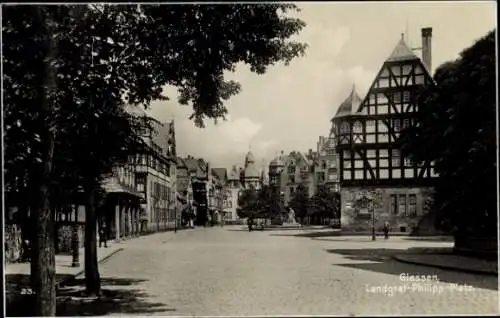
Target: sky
(289, 107)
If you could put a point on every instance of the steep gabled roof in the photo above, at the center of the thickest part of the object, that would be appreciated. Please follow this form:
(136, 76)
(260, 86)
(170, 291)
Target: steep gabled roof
(220, 173)
(402, 52)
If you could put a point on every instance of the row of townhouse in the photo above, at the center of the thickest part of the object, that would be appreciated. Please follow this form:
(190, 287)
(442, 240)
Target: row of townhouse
(139, 195)
(204, 191)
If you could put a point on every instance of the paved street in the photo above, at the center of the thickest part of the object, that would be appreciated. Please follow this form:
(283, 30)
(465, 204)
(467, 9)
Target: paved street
(229, 271)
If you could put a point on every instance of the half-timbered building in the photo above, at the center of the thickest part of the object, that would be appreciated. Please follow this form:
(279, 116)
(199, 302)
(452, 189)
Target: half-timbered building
(377, 179)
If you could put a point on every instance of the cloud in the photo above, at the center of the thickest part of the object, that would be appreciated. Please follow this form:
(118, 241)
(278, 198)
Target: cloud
(240, 130)
(288, 107)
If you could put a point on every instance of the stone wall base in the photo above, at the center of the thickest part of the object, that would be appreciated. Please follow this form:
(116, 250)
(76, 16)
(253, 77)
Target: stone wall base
(356, 218)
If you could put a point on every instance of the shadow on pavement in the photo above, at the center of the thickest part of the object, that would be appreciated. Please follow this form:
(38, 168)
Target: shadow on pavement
(116, 298)
(387, 265)
(430, 239)
(312, 234)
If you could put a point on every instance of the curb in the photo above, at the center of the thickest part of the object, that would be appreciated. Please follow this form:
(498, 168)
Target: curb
(62, 282)
(401, 259)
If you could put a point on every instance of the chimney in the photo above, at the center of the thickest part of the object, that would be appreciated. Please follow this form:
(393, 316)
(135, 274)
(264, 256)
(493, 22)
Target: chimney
(310, 152)
(427, 48)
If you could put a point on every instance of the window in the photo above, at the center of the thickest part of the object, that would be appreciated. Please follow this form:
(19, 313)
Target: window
(384, 173)
(344, 128)
(409, 173)
(384, 163)
(383, 153)
(347, 175)
(291, 169)
(402, 204)
(396, 125)
(396, 173)
(347, 163)
(393, 204)
(370, 139)
(370, 153)
(412, 205)
(406, 96)
(357, 128)
(358, 174)
(383, 138)
(370, 126)
(358, 164)
(332, 164)
(396, 97)
(406, 123)
(408, 162)
(347, 154)
(382, 109)
(395, 158)
(372, 162)
(419, 79)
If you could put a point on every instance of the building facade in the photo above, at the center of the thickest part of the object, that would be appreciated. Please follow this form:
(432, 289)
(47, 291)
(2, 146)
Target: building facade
(326, 164)
(185, 203)
(156, 176)
(199, 172)
(290, 171)
(218, 196)
(379, 183)
(233, 190)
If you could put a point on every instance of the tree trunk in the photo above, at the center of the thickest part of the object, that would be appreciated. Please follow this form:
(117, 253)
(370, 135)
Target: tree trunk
(92, 279)
(43, 260)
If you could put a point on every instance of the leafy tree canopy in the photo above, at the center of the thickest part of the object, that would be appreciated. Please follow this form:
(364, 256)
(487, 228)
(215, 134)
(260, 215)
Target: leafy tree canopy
(324, 203)
(109, 56)
(255, 203)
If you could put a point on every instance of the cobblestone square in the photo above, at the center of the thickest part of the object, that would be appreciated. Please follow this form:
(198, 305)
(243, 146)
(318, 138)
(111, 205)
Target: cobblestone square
(229, 271)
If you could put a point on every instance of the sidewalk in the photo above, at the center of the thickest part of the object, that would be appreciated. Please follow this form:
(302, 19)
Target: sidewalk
(17, 275)
(450, 261)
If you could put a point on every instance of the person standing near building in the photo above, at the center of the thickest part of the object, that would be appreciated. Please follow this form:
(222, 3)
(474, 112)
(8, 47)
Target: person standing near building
(102, 236)
(386, 229)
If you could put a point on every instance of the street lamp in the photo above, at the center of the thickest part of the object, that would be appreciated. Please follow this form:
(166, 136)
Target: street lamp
(370, 204)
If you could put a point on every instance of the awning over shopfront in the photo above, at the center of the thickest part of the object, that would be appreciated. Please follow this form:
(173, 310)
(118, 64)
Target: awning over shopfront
(111, 185)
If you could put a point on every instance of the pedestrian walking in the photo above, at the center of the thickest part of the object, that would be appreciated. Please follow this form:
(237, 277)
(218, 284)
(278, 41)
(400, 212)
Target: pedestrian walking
(249, 223)
(102, 236)
(386, 229)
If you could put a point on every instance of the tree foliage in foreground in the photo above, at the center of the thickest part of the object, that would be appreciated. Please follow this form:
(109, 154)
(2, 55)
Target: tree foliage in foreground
(457, 131)
(70, 70)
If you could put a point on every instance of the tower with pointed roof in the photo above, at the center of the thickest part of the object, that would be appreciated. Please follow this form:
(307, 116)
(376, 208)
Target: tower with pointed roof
(374, 172)
(251, 175)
